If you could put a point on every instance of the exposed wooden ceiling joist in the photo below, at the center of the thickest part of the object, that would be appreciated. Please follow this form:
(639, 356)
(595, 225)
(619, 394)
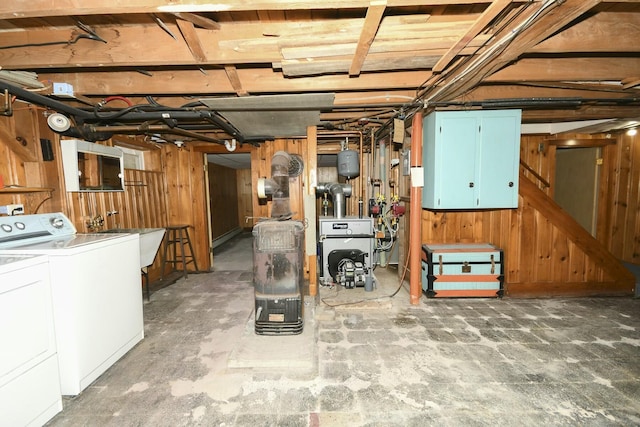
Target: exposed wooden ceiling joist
(494, 9)
(594, 35)
(578, 58)
(560, 69)
(369, 29)
(629, 83)
(188, 31)
(254, 80)
(406, 45)
(198, 20)
(40, 8)
(534, 26)
(265, 80)
(238, 43)
(297, 68)
(234, 79)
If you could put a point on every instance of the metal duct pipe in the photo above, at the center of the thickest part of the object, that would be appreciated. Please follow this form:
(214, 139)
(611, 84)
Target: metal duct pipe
(280, 175)
(277, 186)
(338, 193)
(89, 132)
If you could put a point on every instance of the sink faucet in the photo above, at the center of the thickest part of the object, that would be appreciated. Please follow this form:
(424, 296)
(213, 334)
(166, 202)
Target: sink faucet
(95, 223)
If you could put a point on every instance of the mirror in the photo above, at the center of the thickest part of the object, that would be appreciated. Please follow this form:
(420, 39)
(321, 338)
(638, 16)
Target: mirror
(92, 167)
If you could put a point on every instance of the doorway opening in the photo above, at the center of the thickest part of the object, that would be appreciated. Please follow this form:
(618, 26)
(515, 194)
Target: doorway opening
(230, 204)
(577, 182)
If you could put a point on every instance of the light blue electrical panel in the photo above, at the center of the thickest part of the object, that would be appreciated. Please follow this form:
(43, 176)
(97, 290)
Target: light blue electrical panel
(471, 159)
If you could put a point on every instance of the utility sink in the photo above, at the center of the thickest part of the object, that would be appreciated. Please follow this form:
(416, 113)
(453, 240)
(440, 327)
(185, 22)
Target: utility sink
(150, 239)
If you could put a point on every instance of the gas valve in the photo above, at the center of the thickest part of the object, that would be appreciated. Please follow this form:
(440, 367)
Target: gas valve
(351, 273)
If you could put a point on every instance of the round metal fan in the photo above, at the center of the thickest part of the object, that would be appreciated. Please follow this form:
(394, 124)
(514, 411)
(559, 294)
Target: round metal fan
(296, 166)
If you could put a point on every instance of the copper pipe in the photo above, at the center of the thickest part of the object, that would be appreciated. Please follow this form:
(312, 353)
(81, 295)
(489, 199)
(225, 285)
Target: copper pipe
(141, 129)
(415, 218)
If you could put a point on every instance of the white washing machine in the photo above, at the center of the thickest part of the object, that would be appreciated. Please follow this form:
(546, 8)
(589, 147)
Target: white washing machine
(29, 380)
(95, 287)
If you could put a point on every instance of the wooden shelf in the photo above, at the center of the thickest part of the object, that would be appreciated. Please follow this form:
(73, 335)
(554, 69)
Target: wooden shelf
(18, 190)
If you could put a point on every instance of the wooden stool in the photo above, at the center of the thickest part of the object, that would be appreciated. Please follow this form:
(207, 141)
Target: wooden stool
(177, 237)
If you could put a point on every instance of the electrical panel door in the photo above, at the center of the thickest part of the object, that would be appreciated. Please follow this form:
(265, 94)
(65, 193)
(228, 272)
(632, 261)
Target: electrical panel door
(471, 159)
(455, 186)
(499, 155)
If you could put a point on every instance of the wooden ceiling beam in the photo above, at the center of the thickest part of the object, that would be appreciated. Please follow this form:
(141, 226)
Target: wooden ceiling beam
(198, 20)
(389, 62)
(590, 35)
(490, 13)
(630, 82)
(583, 113)
(437, 46)
(568, 69)
(509, 47)
(259, 80)
(235, 43)
(517, 91)
(265, 80)
(188, 31)
(46, 8)
(369, 29)
(234, 79)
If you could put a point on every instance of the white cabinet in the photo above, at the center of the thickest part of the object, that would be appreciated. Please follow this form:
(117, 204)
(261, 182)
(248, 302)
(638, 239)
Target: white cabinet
(471, 159)
(29, 380)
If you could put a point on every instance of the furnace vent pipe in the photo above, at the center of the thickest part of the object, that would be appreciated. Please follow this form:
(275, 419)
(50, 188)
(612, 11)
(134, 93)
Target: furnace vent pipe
(338, 193)
(277, 185)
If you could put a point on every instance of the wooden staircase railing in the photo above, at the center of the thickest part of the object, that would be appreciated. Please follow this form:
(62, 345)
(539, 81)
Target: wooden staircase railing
(592, 248)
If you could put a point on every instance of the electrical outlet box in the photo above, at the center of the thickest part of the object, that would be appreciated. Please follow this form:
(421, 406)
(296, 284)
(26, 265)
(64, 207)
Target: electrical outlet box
(63, 90)
(12, 210)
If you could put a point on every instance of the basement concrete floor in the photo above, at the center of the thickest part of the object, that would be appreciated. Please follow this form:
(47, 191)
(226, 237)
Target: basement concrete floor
(368, 360)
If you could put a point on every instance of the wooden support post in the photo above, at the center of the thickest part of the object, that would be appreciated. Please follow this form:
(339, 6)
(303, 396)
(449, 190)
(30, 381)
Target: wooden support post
(310, 211)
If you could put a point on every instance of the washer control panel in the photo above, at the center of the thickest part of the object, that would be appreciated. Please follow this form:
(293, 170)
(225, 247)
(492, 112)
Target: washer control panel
(25, 229)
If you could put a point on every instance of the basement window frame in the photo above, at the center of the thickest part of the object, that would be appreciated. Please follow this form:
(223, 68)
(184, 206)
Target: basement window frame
(133, 155)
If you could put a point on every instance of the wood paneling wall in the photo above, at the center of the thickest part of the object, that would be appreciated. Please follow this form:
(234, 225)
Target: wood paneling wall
(142, 204)
(245, 198)
(261, 168)
(542, 258)
(22, 163)
(623, 229)
(223, 196)
(184, 170)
